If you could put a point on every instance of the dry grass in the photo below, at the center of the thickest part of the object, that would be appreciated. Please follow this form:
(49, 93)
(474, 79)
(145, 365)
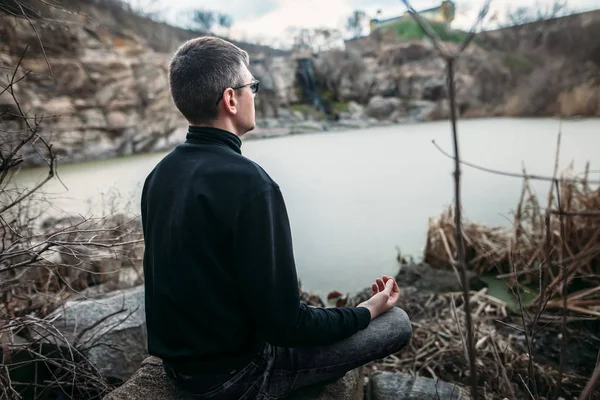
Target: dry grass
(437, 348)
(582, 100)
(520, 254)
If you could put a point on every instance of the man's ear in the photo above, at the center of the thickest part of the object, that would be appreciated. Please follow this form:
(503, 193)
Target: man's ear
(230, 101)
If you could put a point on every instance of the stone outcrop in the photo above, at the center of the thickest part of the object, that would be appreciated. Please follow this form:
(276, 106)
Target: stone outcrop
(399, 386)
(151, 383)
(426, 278)
(111, 330)
(383, 107)
(546, 68)
(410, 73)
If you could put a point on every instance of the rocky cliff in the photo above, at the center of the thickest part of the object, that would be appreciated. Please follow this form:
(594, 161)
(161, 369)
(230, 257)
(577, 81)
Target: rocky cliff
(100, 79)
(547, 68)
(98, 76)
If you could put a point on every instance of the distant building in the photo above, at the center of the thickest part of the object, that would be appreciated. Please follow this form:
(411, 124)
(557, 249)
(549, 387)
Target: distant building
(443, 13)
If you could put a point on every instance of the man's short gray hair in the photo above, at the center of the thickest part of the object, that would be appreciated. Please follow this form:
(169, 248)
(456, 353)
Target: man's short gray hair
(200, 71)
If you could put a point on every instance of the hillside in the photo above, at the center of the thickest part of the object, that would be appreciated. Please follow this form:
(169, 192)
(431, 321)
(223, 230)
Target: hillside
(106, 94)
(548, 68)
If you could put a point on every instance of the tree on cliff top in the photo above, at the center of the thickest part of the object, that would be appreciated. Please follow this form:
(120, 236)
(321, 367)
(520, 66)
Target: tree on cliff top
(206, 20)
(539, 12)
(354, 23)
(314, 40)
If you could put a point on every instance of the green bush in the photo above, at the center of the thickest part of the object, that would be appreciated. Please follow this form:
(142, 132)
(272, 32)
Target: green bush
(515, 61)
(308, 110)
(340, 107)
(410, 29)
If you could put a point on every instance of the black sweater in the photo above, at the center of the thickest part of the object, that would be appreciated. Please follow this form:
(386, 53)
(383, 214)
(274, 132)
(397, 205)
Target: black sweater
(218, 263)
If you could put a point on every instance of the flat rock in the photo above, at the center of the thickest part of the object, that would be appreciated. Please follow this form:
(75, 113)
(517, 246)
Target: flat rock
(400, 386)
(350, 387)
(151, 383)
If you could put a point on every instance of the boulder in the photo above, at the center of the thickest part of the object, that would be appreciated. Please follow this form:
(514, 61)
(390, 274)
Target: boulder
(117, 119)
(426, 278)
(440, 111)
(356, 110)
(298, 115)
(58, 106)
(111, 330)
(382, 107)
(151, 383)
(349, 387)
(93, 118)
(421, 110)
(400, 386)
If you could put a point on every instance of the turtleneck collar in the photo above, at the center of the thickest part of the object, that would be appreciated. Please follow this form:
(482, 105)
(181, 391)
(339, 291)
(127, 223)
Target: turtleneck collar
(215, 136)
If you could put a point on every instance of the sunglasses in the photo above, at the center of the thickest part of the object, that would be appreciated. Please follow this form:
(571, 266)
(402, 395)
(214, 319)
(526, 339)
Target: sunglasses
(253, 86)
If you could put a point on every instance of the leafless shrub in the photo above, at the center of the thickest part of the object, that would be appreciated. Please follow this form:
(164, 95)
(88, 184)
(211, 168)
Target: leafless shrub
(41, 265)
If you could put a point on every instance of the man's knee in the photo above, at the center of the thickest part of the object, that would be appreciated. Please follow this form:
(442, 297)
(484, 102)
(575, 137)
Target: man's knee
(397, 322)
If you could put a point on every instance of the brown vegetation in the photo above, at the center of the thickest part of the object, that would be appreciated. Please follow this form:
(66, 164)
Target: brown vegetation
(437, 349)
(41, 266)
(519, 254)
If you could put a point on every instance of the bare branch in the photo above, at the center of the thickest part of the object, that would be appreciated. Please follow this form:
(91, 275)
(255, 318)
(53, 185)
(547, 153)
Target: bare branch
(528, 340)
(428, 31)
(473, 31)
(576, 213)
(459, 234)
(589, 387)
(30, 192)
(512, 174)
(95, 324)
(38, 37)
(565, 274)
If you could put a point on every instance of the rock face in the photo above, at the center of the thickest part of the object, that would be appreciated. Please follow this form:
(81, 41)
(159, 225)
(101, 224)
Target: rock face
(111, 329)
(107, 100)
(399, 386)
(411, 73)
(151, 383)
(105, 93)
(531, 70)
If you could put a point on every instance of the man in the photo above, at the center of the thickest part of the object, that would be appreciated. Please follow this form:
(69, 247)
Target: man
(222, 301)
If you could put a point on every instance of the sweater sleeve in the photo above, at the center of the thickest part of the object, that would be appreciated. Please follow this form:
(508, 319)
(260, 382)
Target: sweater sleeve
(266, 275)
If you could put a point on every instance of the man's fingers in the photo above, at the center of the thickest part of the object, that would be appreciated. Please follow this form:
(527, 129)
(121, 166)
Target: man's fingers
(389, 286)
(374, 289)
(380, 284)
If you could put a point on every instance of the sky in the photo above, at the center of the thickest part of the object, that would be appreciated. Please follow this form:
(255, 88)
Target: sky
(266, 21)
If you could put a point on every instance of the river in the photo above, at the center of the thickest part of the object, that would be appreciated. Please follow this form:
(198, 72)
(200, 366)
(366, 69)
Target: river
(354, 196)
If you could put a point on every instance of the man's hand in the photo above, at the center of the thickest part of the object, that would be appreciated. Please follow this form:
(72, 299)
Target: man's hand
(385, 295)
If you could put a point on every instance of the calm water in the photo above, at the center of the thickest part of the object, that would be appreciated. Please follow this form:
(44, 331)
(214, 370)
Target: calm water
(353, 197)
